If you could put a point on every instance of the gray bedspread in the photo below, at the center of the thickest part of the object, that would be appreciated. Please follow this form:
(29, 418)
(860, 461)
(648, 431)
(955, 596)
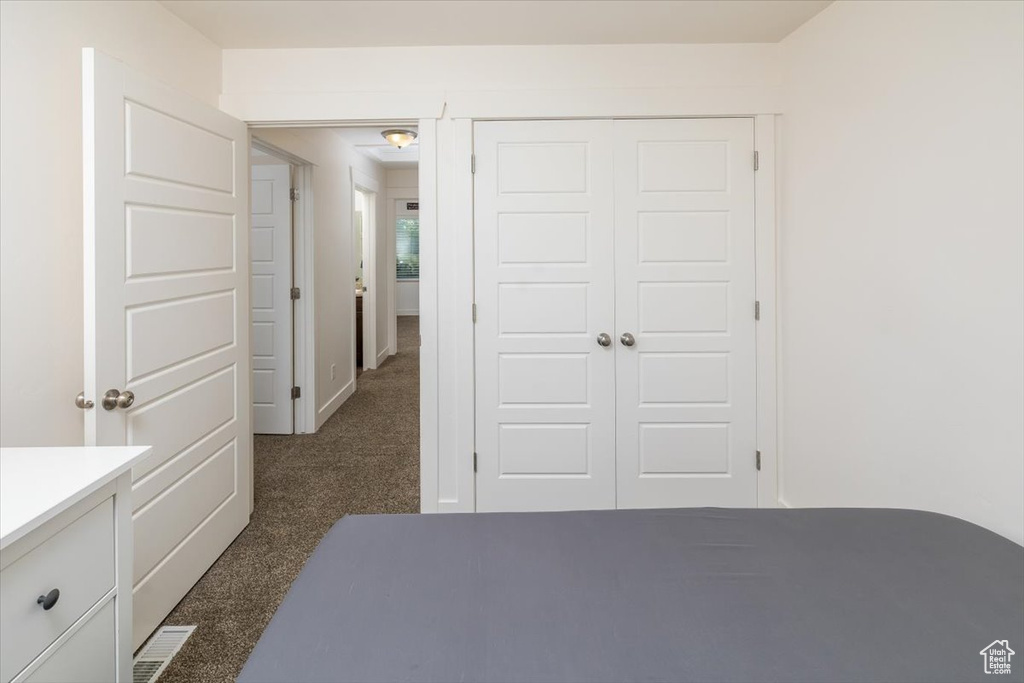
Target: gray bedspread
(702, 594)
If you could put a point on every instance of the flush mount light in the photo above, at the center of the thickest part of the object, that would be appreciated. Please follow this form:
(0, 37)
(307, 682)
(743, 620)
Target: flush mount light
(399, 137)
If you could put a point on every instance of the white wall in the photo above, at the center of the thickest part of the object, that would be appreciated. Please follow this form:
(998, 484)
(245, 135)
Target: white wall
(334, 260)
(500, 68)
(403, 183)
(41, 326)
(408, 298)
(500, 81)
(902, 260)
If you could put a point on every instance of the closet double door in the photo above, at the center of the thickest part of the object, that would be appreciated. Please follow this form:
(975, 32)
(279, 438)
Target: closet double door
(615, 338)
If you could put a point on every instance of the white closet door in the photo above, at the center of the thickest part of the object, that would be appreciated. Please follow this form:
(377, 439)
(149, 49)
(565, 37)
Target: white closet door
(684, 273)
(167, 320)
(271, 253)
(544, 292)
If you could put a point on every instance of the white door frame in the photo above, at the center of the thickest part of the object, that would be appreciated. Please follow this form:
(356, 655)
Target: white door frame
(303, 311)
(361, 182)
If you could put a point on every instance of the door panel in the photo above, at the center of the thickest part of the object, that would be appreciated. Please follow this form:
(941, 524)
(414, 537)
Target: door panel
(545, 388)
(271, 254)
(684, 280)
(167, 318)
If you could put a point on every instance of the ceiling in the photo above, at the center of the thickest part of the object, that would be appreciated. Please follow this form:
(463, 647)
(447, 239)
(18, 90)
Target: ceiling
(390, 23)
(369, 141)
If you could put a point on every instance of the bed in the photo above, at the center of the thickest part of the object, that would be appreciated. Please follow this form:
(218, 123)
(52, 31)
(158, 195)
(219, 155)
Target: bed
(703, 594)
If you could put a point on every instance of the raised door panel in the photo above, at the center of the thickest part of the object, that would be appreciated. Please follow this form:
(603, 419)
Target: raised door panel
(544, 274)
(685, 416)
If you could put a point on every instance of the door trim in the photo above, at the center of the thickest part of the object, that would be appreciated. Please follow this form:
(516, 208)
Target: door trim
(766, 329)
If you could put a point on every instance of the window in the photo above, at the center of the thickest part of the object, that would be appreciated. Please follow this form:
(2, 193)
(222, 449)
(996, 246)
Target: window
(407, 244)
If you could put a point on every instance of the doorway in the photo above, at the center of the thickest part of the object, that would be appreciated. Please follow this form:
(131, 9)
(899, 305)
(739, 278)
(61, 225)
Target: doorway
(364, 230)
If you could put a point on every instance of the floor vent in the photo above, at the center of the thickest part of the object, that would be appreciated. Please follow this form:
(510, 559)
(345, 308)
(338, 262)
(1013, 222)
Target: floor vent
(158, 652)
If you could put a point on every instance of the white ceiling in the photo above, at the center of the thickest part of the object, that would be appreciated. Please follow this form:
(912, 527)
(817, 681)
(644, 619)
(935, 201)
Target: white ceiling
(369, 141)
(388, 23)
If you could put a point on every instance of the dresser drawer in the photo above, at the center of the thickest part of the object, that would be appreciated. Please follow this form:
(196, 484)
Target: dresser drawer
(89, 656)
(79, 562)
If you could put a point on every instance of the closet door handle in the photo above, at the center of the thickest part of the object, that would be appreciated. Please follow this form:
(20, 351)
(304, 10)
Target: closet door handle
(604, 340)
(627, 339)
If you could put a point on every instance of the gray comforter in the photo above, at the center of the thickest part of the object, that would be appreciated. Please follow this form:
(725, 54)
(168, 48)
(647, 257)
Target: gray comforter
(649, 595)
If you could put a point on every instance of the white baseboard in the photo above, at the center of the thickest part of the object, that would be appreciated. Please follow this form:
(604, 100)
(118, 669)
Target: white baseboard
(383, 356)
(784, 504)
(329, 408)
(414, 312)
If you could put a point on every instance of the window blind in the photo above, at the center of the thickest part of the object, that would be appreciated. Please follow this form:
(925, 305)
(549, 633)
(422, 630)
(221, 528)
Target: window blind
(407, 247)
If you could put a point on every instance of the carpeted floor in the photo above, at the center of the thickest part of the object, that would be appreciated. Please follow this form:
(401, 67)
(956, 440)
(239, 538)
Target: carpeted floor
(365, 459)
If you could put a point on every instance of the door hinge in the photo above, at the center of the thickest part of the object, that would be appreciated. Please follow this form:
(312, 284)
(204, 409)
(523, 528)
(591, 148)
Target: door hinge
(293, 194)
(296, 293)
(472, 164)
(757, 161)
(474, 462)
(474, 312)
(757, 460)
(296, 393)
(757, 310)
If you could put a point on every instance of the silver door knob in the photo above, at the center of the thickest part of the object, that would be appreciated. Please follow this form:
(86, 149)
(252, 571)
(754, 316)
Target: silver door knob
(604, 340)
(117, 399)
(627, 339)
(82, 402)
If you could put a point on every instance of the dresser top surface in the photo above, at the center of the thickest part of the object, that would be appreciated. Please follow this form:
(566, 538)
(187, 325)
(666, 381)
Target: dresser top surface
(37, 484)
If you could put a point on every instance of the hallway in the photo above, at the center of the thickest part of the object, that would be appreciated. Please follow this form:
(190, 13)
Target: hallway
(364, 460)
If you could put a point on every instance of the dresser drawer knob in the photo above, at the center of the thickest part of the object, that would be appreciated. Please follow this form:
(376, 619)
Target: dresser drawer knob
(49, 600)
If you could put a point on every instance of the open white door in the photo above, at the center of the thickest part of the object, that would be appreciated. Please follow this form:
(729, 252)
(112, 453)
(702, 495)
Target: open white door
(167, 319)
(271, 250)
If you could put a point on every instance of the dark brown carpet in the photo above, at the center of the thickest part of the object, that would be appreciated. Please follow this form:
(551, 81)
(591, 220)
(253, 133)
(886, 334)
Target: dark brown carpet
(365, 459)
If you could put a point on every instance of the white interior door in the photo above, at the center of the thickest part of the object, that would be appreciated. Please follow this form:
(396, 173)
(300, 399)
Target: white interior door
(167, 318)
(684, 272)
(544, 291)
(271, 253)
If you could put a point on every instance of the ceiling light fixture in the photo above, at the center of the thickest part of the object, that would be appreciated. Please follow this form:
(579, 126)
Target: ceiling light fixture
(399, 137)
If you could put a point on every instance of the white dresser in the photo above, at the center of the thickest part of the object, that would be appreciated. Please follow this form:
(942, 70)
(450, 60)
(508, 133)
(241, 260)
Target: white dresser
(66, 564)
